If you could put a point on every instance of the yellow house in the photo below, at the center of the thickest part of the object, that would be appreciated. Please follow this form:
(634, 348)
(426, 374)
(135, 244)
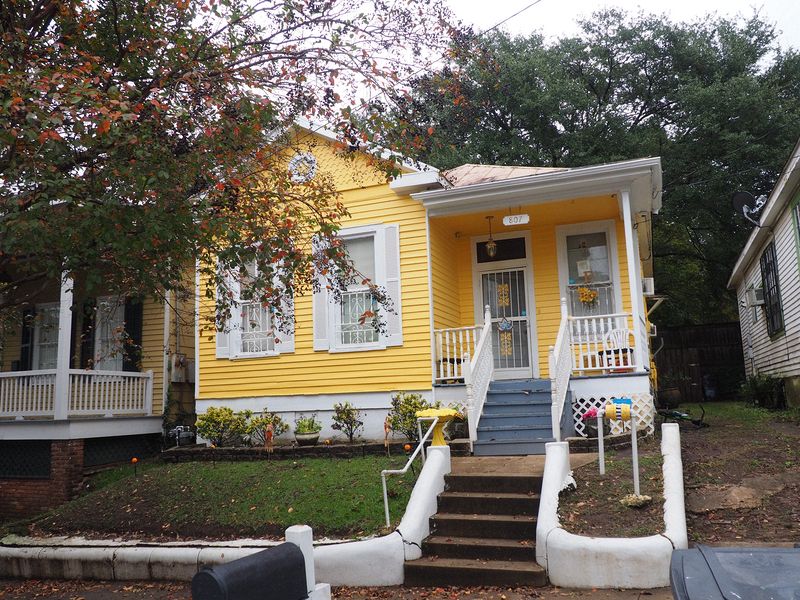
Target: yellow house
(514, 286)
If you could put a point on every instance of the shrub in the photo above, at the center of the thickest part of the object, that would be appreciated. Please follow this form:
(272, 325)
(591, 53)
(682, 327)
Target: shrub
(221, 426)
(307, 424)
(403, 414)
(765, 391)
(257, 426)
(347, 419)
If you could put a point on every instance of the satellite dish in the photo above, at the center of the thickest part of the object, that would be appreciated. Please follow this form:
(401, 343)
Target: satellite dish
(745, 204)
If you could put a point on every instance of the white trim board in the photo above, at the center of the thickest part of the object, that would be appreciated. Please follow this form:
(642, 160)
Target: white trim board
(76, 429)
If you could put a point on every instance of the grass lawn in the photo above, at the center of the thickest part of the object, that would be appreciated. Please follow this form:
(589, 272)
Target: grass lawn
(337, 497)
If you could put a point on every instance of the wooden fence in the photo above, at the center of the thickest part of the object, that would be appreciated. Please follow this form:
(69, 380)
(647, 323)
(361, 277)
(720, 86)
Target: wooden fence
(707, 359)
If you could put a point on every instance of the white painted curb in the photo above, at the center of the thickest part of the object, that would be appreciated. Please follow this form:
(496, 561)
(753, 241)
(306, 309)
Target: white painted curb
(373, 562)
(641, 563)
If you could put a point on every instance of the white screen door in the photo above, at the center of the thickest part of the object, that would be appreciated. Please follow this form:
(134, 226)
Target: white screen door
(506, 295)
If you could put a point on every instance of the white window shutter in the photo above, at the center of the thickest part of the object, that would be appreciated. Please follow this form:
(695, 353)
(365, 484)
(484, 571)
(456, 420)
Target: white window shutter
(234, 326)
(394, 320)
(223, 351)
(320, 316)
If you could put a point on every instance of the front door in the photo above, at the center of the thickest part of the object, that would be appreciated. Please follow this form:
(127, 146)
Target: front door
(504, 285)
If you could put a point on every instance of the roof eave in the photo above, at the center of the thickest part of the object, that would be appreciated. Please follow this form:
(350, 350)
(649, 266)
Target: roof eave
(562, 185)
(781, 195)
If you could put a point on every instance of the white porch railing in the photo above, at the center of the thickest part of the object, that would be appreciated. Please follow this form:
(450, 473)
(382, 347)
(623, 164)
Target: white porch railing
(91, 393)
(605, 343)
(27, 394)
(452, 345)
(110, 393)
(478, 373)
(560, 362)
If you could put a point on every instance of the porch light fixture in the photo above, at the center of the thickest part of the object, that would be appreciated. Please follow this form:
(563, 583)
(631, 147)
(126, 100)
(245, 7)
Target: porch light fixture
(491, 245)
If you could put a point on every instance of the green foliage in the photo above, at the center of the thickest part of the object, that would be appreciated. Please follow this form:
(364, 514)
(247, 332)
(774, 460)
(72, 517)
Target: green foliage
(347, 419)
(257, 426)
(765, 391)
(221, 426)
(137, 138)
(403, 414)
(305, 424)
(713, 98)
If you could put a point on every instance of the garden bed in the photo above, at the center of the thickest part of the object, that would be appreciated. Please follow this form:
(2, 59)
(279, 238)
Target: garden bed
(292, 452)
(228, 500)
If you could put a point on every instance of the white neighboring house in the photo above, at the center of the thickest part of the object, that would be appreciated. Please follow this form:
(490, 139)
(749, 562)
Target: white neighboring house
(767, 283)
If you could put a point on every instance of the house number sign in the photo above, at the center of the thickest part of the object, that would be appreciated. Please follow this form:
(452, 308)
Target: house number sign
(512, 220)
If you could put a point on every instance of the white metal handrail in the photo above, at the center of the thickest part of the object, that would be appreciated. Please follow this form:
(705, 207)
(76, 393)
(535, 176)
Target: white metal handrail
(452, 345)
(560, 362)
(478, 373)
(404, 470)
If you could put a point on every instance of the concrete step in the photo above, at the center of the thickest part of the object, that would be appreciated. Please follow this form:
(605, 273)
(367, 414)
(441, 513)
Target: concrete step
(512, 527)
(436, 572)
(514, 432)
(514, 419)
(479, 548)
(536, 385)
(515, 484)
(506, 396)
(509, 447)
(489, 503)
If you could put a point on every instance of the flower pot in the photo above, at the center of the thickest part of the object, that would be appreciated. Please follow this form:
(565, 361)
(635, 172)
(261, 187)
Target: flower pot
(669, 397)
(307, 439)
(591, 428)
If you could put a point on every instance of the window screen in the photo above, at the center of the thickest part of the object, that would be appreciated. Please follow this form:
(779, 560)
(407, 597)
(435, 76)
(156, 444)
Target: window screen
(772, 293)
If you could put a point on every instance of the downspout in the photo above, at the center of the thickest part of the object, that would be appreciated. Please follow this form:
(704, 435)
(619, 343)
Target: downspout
(430, 303)
(165, 366)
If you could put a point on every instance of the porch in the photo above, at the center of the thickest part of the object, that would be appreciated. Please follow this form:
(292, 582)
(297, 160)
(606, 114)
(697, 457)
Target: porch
(75, 360)
(537, 278)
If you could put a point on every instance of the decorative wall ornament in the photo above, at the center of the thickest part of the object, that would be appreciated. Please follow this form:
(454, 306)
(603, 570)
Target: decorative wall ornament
(303, 167)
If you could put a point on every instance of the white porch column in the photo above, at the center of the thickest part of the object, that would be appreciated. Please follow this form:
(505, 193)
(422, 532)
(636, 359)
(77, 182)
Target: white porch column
(61, 395)
(634, 280)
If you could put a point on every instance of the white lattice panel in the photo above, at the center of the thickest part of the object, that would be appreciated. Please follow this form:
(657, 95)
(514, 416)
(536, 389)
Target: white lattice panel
(642, 406)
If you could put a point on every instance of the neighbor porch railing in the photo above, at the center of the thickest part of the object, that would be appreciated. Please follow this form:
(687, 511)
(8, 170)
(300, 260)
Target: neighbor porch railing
(452, 345)
(560, 362)
(91, 393)
(478, 373)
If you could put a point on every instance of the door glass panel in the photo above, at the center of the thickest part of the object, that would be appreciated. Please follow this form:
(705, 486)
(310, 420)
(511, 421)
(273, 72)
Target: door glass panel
(590, 289)
(504, 292)
(507, 249)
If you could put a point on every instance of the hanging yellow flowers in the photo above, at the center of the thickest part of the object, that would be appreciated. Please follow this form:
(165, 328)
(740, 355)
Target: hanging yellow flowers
(587, 296)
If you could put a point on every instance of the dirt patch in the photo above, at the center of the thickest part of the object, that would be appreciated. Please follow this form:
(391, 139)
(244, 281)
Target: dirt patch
(741, 475)
(594, 507)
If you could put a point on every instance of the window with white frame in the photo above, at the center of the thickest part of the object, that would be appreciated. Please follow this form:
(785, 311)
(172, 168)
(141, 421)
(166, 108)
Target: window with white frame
(109, 332)
(253, 329)
(45, 336)
(257, 332)
(358, 322)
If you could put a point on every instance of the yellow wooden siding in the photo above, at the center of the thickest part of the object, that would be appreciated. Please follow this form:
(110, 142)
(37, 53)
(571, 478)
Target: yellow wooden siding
(544, 218)
(444, 248)
(305, 371)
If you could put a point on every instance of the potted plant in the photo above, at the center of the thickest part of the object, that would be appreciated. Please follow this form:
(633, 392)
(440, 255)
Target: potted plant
(589, 419)
(669, 389)
(306, 430)
(458, 428)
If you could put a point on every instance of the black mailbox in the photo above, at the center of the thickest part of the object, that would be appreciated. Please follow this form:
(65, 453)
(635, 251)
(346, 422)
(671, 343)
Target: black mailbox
(277, 573)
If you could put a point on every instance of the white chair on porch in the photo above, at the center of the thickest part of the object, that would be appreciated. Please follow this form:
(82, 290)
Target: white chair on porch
(617, 352)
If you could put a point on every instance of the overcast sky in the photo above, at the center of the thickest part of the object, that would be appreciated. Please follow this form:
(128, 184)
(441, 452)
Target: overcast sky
(557, 17)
